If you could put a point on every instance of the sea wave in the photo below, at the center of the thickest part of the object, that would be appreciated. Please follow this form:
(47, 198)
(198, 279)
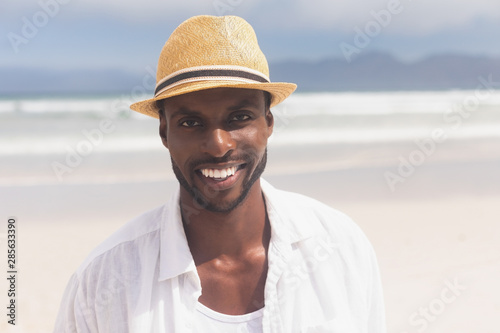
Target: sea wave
(340, 103)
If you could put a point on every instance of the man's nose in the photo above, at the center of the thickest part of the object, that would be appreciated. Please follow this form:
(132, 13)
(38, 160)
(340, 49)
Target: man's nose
(218, 142)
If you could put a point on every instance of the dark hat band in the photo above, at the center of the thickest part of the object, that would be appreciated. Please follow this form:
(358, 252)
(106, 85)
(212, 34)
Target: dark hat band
(210, 73)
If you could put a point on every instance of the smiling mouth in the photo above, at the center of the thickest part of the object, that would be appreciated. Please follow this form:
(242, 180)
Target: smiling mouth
(222, 173)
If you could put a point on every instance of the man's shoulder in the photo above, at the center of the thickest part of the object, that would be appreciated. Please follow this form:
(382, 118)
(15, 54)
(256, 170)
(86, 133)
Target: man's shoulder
(317, 224)
(309, 215)
(138, 232)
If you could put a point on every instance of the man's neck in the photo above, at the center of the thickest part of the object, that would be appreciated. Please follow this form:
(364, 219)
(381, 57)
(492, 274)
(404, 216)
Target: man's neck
(230, 235)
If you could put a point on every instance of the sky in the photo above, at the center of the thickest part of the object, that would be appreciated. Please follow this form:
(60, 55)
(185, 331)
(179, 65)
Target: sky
(128, 35)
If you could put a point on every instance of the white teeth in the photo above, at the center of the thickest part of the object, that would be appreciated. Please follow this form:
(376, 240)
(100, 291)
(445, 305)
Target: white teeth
(216, 173)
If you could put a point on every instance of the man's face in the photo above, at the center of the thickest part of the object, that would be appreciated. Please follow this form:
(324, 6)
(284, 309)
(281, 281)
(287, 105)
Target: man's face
(217, 140)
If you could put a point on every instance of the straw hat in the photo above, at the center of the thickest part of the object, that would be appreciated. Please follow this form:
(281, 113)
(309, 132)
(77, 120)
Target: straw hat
(209, 52)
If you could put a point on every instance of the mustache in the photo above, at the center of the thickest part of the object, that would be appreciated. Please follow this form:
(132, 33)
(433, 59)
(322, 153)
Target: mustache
(245, 157)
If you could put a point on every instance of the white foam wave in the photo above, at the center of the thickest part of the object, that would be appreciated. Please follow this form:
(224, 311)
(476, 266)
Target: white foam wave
(341, 103)
(109, 106)
(381, 103)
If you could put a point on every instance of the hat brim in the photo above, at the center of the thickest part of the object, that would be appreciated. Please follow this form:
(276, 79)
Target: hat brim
(278, 90)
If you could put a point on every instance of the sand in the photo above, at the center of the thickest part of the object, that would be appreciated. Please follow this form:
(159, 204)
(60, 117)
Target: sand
(437, 235)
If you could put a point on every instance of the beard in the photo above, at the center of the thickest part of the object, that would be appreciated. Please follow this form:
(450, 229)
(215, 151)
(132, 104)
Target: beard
(221, 207)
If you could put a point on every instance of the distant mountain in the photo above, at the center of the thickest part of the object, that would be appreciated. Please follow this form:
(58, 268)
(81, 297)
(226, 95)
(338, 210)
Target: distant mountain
(367, 72)
(378, 71)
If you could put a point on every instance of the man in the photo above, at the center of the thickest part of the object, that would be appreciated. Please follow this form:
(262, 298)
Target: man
(228, 253)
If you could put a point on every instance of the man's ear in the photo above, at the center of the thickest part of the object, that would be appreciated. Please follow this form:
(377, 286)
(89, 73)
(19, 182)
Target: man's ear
(270, 121)
(163, 127)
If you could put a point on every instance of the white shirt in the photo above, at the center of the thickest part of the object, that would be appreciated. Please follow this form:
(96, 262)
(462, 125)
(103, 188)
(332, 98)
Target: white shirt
(322, 275)
(208, 320)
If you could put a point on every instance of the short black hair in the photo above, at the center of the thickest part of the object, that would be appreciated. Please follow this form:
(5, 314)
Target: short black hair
(267, 100)
(159, 106)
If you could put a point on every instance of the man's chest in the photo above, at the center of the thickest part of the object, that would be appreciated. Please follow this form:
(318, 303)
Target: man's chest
(233, 287)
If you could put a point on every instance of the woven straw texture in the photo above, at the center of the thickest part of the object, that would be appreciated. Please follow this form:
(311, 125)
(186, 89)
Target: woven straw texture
(212, 41)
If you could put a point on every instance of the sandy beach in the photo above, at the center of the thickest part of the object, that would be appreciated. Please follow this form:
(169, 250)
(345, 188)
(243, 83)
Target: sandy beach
(436, 235)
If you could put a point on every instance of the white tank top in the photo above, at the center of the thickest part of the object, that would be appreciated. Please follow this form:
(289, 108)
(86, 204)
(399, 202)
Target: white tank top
(208, 320)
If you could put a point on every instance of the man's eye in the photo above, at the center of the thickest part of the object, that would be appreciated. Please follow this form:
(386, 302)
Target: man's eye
(190, 123)
(240, 117)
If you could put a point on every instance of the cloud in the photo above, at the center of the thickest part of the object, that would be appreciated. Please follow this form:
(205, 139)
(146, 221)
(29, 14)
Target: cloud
(417, 17)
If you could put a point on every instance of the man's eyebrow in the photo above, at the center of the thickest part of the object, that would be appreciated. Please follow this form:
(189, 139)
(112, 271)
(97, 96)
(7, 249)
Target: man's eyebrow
(183, 111)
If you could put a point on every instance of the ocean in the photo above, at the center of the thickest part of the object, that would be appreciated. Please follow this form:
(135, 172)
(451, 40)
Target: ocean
(44, 130)
(46, 124)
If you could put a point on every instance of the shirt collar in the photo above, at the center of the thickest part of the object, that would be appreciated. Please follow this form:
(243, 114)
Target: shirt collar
(289, 223)
(175, 255)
